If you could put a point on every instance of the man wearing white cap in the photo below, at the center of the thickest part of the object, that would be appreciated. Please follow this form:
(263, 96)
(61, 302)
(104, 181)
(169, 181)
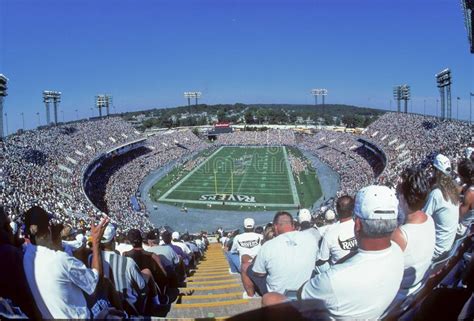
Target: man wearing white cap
(364, 285)
(443, 206)
(247, 243)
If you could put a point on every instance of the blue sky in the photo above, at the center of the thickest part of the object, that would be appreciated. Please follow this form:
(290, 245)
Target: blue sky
(147, 53)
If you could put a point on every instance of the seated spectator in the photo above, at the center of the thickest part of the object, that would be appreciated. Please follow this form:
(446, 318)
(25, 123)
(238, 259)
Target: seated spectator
(329, 219)
(466, 209)
(58, 280)
(124, 273)
(247, 243)
(364, 285)
(148, 262)
(416, 237)
(443, 206)
(13, 284)
(188, 259)
(284, 262)
(339, 240)
(304, 218)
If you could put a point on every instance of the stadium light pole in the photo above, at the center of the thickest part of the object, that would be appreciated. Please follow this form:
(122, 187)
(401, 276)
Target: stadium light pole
(437, 101)
(3, 93)
(6, 123)
(77, 114)
(39, 119)
(470, 107)
(23, 120)
(457, 107)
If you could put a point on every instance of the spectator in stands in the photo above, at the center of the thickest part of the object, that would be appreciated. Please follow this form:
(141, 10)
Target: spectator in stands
(188, 258)
(329, 219)
(58, 280)
(304, 218)
(416, 237)
(247, 243)
(339, 240)
(442, 205)
(364, 285)
(466, 209)
(148, 262)
(13, 284)
(283, 263)
(168, 257)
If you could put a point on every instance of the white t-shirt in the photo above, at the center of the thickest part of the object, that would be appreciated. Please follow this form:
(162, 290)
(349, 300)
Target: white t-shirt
(288, 260)
(446, 217)
(56, 279)
(338, 241)
(419, 251)
(360, 288)
(168, 256)
(247, 243)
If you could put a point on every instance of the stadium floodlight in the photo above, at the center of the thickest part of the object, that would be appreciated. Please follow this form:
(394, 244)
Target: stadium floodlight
(3, 94)
(103, 101)
(192, 94)
(444, 81)
(468, 10)
(319, 92)
(55, 97)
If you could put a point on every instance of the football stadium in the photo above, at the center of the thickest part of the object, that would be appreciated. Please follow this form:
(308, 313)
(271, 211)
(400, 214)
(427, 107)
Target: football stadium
(242, 211)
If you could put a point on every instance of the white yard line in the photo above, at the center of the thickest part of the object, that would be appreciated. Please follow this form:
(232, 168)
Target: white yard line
(296, 198)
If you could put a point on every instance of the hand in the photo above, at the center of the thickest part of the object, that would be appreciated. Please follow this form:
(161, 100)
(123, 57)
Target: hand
(97, 231)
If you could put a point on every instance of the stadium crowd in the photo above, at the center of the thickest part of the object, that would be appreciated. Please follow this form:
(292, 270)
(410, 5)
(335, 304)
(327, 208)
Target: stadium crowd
(376, 247)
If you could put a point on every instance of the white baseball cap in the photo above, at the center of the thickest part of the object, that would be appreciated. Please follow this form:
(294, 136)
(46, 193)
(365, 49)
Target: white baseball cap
(175, 235)
(468, 152)
(329, 215)
(109, 233)
(442, 163)
(376, 202)
(249, 222)
(304, 215)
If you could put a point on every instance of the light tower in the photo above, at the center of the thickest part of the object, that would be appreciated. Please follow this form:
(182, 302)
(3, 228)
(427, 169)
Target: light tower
(443, 80)
(103, 101)
(55, 97)
(3, 93)
(192, 94)
(319, 92)
(402, 92)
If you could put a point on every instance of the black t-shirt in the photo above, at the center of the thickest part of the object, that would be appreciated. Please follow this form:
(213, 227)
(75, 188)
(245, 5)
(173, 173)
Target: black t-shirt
(145, 260)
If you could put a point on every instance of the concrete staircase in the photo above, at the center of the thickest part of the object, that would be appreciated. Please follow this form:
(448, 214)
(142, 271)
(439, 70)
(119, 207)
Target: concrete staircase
(212, 292)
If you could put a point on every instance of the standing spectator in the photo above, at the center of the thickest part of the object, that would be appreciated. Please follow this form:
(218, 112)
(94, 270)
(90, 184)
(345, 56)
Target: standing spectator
(57, 279)
(416, 237)
(284, 262)
(247, 243)
(364, 285)
(466, 210)
(329, 219)
(339, 240)
(442, 205)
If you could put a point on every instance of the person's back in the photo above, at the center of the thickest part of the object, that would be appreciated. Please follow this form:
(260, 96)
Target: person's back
(445, 216)
(49, 276)
(288, 260)
(360, 288)
(418, 252)
(247, 243)
(443, 206)
(338, 242)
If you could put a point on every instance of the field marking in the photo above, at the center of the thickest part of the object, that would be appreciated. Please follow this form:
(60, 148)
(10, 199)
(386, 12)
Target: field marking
(291, 178)
(163, 197)
(212, 192)
(228, 203)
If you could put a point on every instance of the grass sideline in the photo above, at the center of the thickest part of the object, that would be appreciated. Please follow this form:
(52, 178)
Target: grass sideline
(244, 178)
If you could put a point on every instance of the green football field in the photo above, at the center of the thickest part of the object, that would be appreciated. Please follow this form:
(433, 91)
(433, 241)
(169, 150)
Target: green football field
(239, 177)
